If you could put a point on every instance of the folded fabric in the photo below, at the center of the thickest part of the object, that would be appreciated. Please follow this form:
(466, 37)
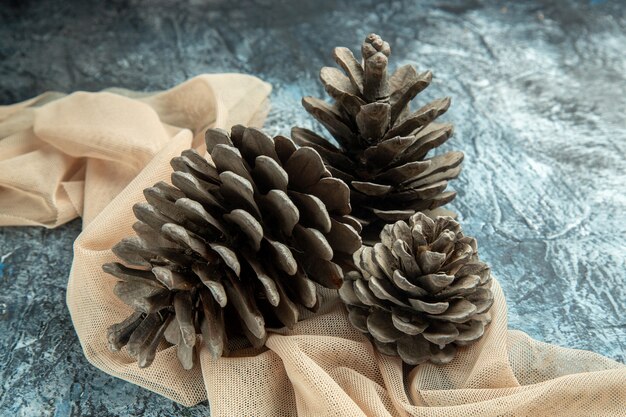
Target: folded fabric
(93, 154)
(67, 156)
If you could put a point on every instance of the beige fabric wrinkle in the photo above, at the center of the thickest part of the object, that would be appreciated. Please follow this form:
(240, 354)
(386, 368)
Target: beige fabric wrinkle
(109, 137)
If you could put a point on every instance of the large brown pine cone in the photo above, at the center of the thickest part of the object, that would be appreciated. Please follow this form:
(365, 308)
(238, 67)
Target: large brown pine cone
(421, 291)
(382, 144)
(236, 245)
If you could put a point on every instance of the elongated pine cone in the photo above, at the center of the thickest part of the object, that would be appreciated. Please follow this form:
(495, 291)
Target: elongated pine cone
(235, 246)
(421, 291)
(382, 144)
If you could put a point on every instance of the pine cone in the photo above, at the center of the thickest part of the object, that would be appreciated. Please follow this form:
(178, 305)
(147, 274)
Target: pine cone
(422, 292)
(233, 247)
(382, 145)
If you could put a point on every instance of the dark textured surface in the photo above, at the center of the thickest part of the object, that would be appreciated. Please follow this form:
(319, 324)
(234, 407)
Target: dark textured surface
(539, 96)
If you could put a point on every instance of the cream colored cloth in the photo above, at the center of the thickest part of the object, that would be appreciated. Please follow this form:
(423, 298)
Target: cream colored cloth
(68, 156)
(73, 155)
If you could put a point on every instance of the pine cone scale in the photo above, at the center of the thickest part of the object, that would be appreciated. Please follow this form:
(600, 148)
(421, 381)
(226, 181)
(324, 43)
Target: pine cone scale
(428, 138)
(383, 154)
(371, 189)
(378, 327)
(282, 256)
(470, 332)
(228, 159)
(172, 280)
(130, 275)
(427, 307)
(119, 334)
(212, 325)
(413, 350)
(312, 210)
(419, 119)
(458, 312)
(192, 188)
(405, 285)
(339, 86)
(269, 174)
(212, 279)
(406, 83)
(346, 60)
(408, 327)
(441, 334)
(256, 144)
(305, 168)
(404, 173)
(281, 211)
(331, 118)
(334, 194)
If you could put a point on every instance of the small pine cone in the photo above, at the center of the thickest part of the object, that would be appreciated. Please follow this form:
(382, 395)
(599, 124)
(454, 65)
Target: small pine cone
(382, 144)
(235, 246)
(421, 291)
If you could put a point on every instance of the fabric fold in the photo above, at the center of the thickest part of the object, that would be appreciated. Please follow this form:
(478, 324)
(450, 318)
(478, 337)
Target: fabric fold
(53, 142)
